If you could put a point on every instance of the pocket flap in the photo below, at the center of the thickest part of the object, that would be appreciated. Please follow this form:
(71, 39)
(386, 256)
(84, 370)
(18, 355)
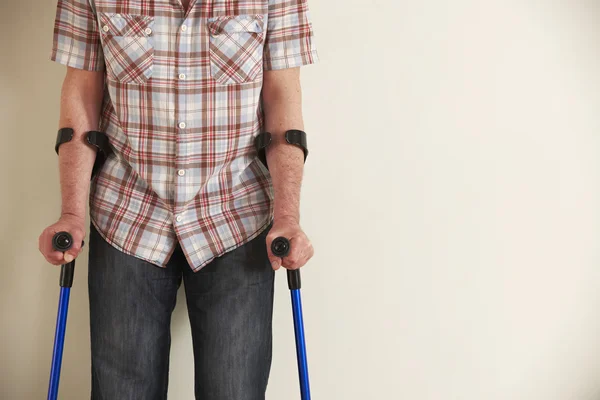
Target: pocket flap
(237, 23)
(125, 24)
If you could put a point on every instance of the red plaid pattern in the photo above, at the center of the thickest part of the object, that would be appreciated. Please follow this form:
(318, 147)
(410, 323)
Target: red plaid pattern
(129, 51)
(181, 108)
(236, 48)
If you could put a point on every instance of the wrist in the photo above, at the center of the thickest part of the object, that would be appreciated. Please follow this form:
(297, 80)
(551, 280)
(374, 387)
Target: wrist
(73, 215)
(287, 216)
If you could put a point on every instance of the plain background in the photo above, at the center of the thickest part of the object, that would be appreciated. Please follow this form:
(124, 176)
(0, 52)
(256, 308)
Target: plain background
(451, 194)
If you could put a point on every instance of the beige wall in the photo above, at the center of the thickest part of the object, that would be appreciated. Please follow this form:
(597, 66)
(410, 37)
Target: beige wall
(451, 193)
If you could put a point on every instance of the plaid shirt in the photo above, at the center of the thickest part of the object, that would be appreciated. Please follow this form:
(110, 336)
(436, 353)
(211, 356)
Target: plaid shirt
(181, 108)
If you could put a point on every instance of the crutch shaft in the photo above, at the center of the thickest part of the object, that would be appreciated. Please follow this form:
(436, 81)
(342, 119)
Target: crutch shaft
(300, 345)
(59, 340)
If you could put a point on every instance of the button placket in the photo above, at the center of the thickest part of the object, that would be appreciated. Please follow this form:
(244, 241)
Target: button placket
(181, 114)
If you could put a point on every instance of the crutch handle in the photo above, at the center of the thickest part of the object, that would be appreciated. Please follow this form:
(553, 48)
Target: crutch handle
(281, 248)
(63, 241)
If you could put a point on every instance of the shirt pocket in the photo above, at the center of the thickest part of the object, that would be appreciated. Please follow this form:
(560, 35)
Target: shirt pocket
(236, 48)
(128, 46)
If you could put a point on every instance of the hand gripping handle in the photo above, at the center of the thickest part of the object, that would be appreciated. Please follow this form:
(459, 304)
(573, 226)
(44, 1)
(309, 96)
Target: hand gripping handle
(63, 241)
(281, 247)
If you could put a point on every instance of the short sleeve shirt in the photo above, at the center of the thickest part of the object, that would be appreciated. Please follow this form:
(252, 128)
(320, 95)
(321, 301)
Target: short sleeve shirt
(181, 108)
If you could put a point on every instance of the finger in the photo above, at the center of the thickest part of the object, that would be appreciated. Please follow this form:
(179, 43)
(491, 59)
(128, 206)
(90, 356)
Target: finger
(274, 260)
(300, 263)
(41, 246)
(45, 243)
(306, 253)
(51, 255)
(71, 254)
(75, 249)
(276, 264)
(310, 252)
(295, 254)
(55, 257)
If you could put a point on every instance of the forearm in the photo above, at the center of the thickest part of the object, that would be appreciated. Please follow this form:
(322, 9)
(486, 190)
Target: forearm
(81, 99)
(282, 104)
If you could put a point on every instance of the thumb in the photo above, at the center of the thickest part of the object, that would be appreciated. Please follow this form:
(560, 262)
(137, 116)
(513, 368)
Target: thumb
(73, 252)
(275, 261)
(68, 257)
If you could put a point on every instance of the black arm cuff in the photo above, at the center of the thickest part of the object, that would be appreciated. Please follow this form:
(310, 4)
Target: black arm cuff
(64, 135)
(97, 139)
(292, 136)
(261, 142)
(100, 141)
(298, 138)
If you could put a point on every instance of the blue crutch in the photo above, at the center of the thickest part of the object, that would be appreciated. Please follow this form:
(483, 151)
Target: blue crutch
(281, 248)
(61, 241)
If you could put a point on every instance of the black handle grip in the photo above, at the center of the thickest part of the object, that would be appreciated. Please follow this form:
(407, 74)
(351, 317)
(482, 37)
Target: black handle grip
(281, 247)
(63, 241)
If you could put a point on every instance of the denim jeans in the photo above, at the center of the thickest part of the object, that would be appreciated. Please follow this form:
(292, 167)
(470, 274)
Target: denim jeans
(230, 307)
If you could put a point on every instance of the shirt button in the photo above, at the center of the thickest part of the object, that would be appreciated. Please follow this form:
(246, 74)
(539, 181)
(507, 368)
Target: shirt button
(182, 125)
(182, 76)
(148, 31)
(105, 28)
(178, 218)
(181, 172)
(184, 28)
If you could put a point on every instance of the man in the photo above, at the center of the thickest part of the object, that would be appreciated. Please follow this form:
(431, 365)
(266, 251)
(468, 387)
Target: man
(181, 89)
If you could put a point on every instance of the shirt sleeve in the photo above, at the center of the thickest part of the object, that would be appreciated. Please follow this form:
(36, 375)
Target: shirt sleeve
(289, 40)
(76, 40)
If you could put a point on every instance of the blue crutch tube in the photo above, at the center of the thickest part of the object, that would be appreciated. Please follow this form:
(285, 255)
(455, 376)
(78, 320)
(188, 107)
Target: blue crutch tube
(61, 241)
(281, 248)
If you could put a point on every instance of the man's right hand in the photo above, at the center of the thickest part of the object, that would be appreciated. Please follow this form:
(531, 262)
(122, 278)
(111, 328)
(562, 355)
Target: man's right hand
(69, 223)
